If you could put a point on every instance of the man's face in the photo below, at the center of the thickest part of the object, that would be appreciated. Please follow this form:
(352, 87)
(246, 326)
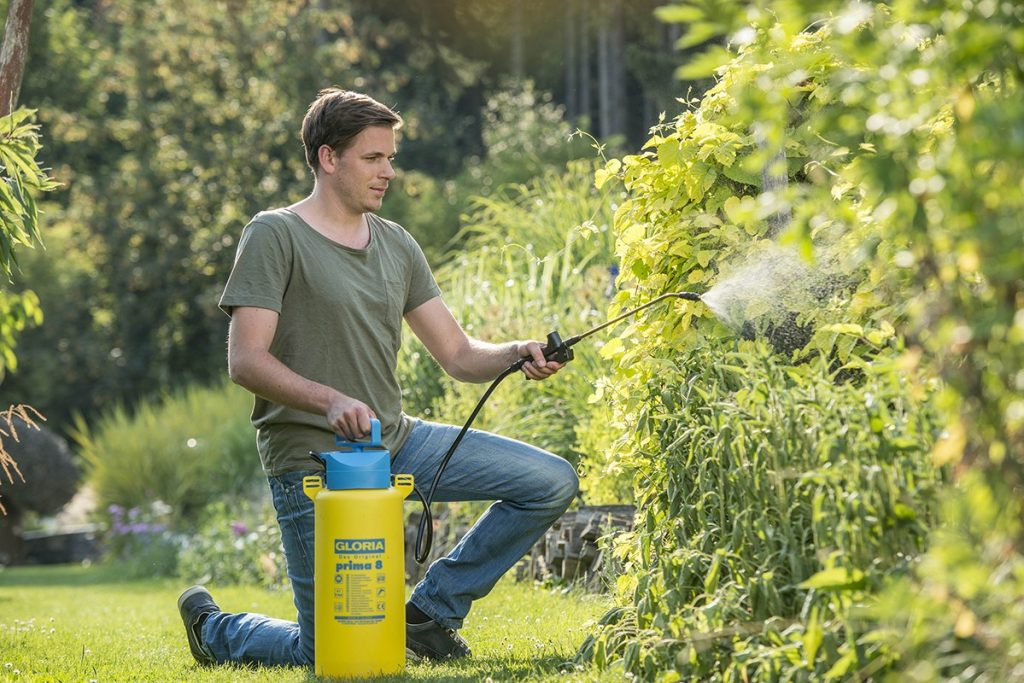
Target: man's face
(361, 173)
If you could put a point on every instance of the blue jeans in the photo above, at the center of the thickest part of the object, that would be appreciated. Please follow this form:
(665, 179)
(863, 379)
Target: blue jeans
(531, 486)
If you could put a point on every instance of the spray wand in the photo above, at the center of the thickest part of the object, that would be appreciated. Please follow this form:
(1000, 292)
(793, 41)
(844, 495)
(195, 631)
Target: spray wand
(557, 350)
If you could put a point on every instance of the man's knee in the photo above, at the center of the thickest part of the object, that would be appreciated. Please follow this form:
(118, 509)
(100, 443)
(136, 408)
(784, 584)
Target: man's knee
(565, 483)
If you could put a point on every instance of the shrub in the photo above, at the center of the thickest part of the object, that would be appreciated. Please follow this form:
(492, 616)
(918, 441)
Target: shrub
(238, 543)
(777, 484)
(188, 450)
(49, 471)
(773, 497)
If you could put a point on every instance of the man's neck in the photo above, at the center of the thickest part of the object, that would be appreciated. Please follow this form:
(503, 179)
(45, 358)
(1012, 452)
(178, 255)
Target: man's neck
(333, 220)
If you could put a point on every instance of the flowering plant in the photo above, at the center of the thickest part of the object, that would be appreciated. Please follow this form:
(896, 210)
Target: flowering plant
(141, 541)
(236, 543)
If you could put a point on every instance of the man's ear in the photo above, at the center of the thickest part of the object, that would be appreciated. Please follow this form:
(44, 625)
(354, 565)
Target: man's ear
(327, 158)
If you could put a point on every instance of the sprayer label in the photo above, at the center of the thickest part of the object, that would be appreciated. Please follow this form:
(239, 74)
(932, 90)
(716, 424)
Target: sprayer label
(359, 590)
(349, 546)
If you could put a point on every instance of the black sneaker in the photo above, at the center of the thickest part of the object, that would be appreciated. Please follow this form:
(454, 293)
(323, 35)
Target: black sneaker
(195, 605)
(434, 641)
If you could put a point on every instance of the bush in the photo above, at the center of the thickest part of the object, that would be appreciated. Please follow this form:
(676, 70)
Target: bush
(187, 450)
(235, 544)
(770, 495)
(778, 481)
(50, 472)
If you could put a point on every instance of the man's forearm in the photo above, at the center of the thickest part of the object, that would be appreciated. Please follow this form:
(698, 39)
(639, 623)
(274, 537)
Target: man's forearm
(482, 361)
(266, 376)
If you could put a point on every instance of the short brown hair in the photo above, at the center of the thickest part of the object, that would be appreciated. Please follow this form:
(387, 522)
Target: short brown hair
(337, 116)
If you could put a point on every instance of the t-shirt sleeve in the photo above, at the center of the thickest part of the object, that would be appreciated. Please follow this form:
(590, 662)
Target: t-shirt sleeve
(262, 269)
(422, 286)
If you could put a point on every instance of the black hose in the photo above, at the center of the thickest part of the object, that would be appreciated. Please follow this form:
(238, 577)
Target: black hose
(556, 350)
(426, 525)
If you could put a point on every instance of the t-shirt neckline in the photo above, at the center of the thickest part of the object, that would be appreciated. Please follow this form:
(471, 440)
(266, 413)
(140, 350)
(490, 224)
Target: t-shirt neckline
(365, 250)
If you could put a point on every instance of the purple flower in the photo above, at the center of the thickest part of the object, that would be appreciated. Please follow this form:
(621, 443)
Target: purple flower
(239, 528)
(115, 510)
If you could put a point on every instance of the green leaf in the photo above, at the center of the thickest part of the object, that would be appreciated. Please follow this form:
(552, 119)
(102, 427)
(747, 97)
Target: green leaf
(812, 638)
(844, 328)
(705, 64)
(679, 14)
(697, 33)
(835, 579)
(841, 667)
(612, 349)
(740, 175)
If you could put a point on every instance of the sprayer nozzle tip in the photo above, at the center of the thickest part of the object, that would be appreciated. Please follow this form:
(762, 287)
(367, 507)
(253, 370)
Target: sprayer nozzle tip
(689, 296)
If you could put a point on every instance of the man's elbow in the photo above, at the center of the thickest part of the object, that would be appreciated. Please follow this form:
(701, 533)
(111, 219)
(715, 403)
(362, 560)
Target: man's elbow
(461, 370)
(239, 370)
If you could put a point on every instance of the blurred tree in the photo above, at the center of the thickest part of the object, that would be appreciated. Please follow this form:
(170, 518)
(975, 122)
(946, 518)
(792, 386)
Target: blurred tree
(174, 123)
(21, 175)
(171, 123)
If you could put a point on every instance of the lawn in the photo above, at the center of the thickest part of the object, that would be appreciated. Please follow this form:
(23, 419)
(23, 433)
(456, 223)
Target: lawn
(71, 623)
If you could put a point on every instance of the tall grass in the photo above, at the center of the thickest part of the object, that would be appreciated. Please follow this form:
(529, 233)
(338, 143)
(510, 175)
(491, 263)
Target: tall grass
(533, 258)
(186, 449)
(775, 498)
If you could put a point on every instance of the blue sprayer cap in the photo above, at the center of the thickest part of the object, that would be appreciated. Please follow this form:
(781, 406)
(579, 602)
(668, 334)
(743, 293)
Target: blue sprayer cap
(365, 465)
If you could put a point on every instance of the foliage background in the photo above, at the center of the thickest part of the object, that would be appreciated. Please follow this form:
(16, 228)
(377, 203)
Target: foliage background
(868, 132)
(169, 124)
(791, 470)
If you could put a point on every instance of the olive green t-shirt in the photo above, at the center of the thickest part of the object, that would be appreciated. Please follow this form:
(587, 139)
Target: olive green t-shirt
(340, 323)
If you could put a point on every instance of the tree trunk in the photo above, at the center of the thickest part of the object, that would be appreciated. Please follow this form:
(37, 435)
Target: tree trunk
(584, 63)
(571, 70)
(604, 78)
(518, 67)
(617, 68)
(12, 53)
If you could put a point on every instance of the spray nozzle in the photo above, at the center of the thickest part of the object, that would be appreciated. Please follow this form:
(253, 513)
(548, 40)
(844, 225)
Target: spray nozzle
(561, 351)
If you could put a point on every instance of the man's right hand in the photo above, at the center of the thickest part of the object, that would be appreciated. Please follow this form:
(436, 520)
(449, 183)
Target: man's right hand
(349, 417)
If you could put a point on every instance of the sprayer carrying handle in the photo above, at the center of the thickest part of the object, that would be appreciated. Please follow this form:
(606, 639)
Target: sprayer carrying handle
(359, 445)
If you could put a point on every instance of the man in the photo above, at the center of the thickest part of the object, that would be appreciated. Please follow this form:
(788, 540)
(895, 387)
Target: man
(317, 297)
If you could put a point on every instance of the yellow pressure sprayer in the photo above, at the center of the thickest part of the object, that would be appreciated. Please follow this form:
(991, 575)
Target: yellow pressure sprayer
(359, 563)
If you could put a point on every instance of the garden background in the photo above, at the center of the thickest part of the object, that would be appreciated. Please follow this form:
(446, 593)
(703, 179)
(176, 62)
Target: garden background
(825, 453)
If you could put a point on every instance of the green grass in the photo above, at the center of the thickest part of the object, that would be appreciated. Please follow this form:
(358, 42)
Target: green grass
(71, 623)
